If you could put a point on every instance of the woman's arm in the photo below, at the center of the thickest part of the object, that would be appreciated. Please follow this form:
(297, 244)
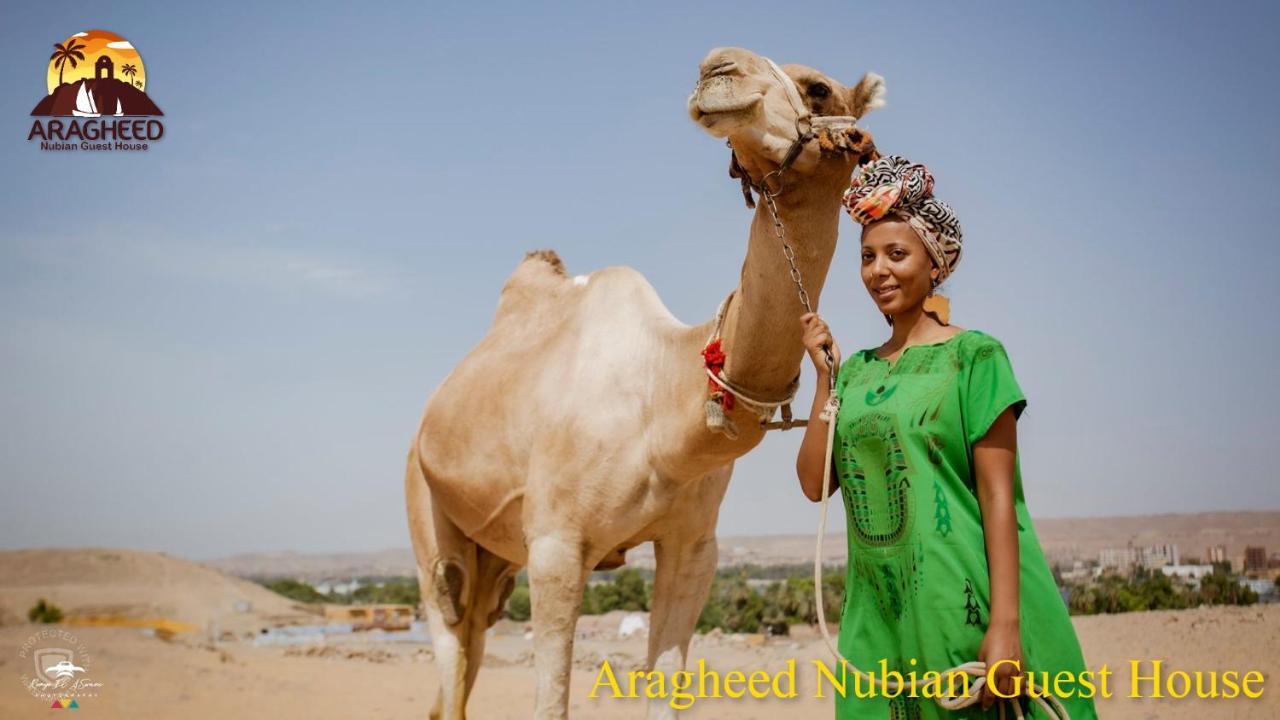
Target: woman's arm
(994, 463)
(813, 449)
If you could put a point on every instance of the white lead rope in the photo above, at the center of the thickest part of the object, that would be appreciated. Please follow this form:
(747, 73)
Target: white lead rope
(1052, 708)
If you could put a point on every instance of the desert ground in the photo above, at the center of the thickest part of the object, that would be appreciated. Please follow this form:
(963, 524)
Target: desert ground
(218, 670)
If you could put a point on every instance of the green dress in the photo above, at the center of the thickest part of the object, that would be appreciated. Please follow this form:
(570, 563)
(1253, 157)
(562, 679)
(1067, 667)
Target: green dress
(917, 584)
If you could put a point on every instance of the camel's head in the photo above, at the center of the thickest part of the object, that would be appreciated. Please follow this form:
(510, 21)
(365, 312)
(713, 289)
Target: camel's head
(758, 106)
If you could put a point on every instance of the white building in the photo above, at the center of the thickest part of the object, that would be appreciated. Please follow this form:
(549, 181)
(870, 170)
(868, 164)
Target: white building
(1157, 556)
(340, 588)
(1122, 559)
(1188, 573)
(1125, 559)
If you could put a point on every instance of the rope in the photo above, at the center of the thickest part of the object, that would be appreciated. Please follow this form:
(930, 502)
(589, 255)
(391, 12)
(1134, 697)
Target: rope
(763, 408)
(1049, 704)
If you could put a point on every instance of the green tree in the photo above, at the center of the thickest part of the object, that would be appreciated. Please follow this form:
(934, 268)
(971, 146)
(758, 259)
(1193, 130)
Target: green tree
(734, 606)
(398, 591)
(519, 608)
(1220, 588)
(44, 612)
(296, 590)
(625, 589)
(788, 603)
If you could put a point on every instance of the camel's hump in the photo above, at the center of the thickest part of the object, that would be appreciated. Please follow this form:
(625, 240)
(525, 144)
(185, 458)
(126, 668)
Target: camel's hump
(546, 256)
(539, 277)
(541, 281)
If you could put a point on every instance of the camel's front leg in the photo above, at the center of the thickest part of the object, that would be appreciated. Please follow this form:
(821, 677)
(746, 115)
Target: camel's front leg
(556, 577)
(686, 565)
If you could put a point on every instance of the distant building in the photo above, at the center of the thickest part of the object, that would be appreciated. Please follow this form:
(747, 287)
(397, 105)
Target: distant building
(1157, 556)
(1265, 587)
(1125, 559)
(339, 588)
(1189, 573)
(1215, 554)
(1122, 559)
(1255, 558)
(368, 617)
(1078, 571)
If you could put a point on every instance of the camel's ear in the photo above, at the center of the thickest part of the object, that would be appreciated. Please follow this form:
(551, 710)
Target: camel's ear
(867, 95)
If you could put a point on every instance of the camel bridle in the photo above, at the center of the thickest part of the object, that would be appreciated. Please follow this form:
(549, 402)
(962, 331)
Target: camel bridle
(805, 132)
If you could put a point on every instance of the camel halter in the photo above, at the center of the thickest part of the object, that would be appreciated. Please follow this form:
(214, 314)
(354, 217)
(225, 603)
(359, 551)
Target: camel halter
(717, 419)
(1049, 704)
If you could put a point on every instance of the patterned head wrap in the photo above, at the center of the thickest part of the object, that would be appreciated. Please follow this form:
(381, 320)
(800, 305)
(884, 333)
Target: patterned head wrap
(896, 186)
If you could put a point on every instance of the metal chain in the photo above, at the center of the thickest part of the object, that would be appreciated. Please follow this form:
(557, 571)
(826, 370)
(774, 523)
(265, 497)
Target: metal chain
(781, 231)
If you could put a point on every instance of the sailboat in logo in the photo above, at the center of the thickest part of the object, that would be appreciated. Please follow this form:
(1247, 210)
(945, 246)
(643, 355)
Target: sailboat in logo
(86, 106)
(93, 89)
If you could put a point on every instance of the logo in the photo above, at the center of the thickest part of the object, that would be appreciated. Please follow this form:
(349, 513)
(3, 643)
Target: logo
(96, 80)
(57, 669)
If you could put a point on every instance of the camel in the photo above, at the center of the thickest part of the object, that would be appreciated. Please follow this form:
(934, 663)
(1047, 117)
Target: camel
(577, 428)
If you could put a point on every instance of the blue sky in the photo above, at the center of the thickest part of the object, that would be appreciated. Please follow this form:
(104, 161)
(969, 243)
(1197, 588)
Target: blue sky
(224, 344)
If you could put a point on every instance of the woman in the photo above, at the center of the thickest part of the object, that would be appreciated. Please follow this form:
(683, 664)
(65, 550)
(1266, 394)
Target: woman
(944, 566)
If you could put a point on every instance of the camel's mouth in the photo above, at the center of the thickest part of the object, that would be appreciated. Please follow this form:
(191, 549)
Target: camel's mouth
(720, 112)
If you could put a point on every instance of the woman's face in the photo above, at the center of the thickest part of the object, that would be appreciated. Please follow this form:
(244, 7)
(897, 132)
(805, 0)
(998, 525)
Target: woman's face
(896, 268)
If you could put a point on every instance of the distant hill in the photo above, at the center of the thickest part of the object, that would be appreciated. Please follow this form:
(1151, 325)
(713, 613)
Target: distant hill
(138, 585)
(314, 567)
(1061, 538)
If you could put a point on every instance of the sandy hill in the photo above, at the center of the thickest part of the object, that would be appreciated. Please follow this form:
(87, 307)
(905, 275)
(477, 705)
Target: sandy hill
(138, 584)
(315, 567)
(1063, 540)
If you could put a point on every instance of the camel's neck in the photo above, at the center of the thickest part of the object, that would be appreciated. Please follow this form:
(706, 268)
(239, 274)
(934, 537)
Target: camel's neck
(762, 334)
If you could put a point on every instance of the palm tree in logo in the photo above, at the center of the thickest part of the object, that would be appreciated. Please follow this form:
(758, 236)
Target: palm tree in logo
(64, 54)
(129, 70)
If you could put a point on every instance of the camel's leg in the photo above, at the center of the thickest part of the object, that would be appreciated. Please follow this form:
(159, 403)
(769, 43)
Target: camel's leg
(446, 576)
(556, 575)
(686, 565)
(495, 579)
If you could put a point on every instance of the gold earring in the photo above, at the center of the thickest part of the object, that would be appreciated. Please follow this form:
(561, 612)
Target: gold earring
(938, 306)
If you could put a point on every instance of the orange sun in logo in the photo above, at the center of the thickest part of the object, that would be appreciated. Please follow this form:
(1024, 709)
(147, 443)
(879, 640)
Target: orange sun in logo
(95, 54)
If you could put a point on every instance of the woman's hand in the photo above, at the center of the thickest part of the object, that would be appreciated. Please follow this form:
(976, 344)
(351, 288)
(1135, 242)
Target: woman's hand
(809, 463)
(817, 336)
(1002, 642)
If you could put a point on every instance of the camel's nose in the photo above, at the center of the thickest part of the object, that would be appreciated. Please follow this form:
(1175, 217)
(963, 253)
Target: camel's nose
(720, 61)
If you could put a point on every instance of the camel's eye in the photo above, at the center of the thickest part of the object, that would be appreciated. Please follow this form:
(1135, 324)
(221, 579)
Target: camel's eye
(819, 90)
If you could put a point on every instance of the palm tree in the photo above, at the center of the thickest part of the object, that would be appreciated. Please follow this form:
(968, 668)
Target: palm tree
(129, 70)
(68, 53)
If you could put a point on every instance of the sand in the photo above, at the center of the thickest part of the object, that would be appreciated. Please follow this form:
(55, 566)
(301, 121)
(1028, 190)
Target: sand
(137, 584)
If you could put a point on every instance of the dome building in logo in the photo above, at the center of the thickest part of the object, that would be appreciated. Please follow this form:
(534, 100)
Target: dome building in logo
(96, 74)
